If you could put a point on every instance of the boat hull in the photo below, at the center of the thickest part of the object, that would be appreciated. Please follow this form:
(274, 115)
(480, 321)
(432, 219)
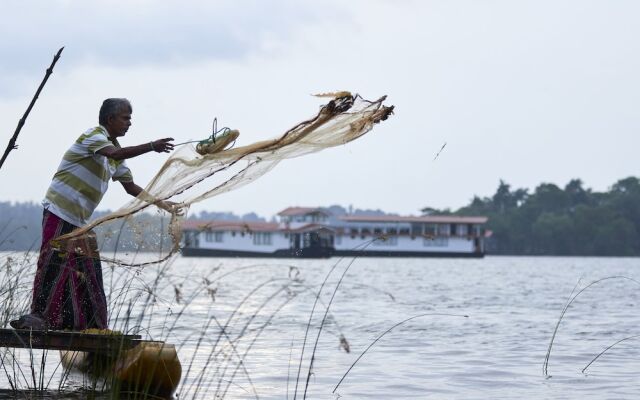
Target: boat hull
(324, 253)
(150, 367)
(412, 254)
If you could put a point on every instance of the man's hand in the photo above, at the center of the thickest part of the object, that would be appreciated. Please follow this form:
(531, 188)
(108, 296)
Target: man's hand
(171, 207)
(162, 145)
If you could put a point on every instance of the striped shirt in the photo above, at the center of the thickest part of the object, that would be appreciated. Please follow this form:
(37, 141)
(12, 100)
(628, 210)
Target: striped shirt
(83, 177)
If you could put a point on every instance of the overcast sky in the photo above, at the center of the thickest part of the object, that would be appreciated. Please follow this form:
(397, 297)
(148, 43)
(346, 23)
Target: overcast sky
(525, 91)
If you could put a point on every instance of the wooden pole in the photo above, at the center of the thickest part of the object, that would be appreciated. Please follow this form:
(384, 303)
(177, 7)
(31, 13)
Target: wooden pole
(12, 142)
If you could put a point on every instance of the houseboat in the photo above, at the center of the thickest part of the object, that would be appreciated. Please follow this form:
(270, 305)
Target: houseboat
(315, 233)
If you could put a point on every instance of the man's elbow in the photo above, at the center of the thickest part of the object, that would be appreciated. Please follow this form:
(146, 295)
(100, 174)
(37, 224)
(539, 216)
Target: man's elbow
(131, 188)
(117, 155)
(113, 153)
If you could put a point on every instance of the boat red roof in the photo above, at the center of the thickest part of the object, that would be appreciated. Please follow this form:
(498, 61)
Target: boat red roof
(310, 228)
(434, 219)
(258, 226)
(291, 211)
(240, 226)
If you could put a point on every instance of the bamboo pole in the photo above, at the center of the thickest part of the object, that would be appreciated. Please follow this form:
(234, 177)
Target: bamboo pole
(12, 142)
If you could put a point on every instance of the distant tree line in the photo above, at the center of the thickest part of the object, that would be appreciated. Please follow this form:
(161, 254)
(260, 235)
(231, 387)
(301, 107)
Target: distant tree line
(20, 226)
(549, 221)
(561, 221)
(21, 229)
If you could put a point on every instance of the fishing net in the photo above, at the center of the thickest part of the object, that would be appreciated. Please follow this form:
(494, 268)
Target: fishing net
(191, 174)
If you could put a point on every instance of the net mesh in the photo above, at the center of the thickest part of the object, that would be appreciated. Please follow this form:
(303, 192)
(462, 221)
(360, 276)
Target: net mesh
(131, 237)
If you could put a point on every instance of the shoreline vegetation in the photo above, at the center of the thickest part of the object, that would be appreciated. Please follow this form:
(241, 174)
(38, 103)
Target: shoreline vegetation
(569, 221)
(162, 303)
(549, 220)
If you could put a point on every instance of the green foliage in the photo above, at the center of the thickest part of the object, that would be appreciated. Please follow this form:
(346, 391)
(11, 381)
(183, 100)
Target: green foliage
(556, 221)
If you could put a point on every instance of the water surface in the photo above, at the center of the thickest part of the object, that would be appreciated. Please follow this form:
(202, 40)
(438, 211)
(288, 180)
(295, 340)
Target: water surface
(512, 303)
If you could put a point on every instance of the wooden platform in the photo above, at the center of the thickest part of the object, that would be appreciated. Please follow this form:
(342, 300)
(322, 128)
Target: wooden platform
(136, 364)
(70, 341)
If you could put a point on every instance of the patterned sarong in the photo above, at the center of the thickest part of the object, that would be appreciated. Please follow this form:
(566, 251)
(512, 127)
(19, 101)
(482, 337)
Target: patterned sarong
(67, 289)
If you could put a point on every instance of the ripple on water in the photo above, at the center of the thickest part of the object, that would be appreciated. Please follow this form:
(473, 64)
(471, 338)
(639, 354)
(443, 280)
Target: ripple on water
(513, 305)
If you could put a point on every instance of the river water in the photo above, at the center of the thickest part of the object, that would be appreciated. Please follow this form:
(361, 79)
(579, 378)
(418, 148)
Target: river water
(498, 351)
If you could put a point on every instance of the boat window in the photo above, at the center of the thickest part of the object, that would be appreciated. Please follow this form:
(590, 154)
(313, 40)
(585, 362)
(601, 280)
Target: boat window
(417, 229)
(463, 230)
(262, 238)
(430, 229)
(476, 230)
(444, 229)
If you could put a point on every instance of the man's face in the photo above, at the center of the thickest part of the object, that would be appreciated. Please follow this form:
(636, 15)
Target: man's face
(119, 124)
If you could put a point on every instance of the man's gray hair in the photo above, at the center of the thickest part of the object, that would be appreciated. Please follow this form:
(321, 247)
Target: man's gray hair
(112, 107)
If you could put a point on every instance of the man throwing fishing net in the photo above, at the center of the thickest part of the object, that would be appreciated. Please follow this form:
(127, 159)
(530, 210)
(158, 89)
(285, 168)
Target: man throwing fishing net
(68, 292)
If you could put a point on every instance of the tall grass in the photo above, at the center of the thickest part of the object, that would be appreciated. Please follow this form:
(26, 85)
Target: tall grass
(139, 303)
(215, 340)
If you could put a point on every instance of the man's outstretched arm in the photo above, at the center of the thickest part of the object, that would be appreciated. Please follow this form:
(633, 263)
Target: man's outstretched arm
(159, 146)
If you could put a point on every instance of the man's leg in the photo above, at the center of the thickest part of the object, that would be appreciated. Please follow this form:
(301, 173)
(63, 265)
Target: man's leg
(68, 291)
(88, 299)
(48, 271)
(50, 286)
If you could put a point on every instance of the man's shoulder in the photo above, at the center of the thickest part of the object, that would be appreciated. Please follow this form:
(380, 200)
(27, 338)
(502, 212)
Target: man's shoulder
(97, 133)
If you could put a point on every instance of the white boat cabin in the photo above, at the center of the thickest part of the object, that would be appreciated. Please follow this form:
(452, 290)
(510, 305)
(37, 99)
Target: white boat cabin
(314, 232)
